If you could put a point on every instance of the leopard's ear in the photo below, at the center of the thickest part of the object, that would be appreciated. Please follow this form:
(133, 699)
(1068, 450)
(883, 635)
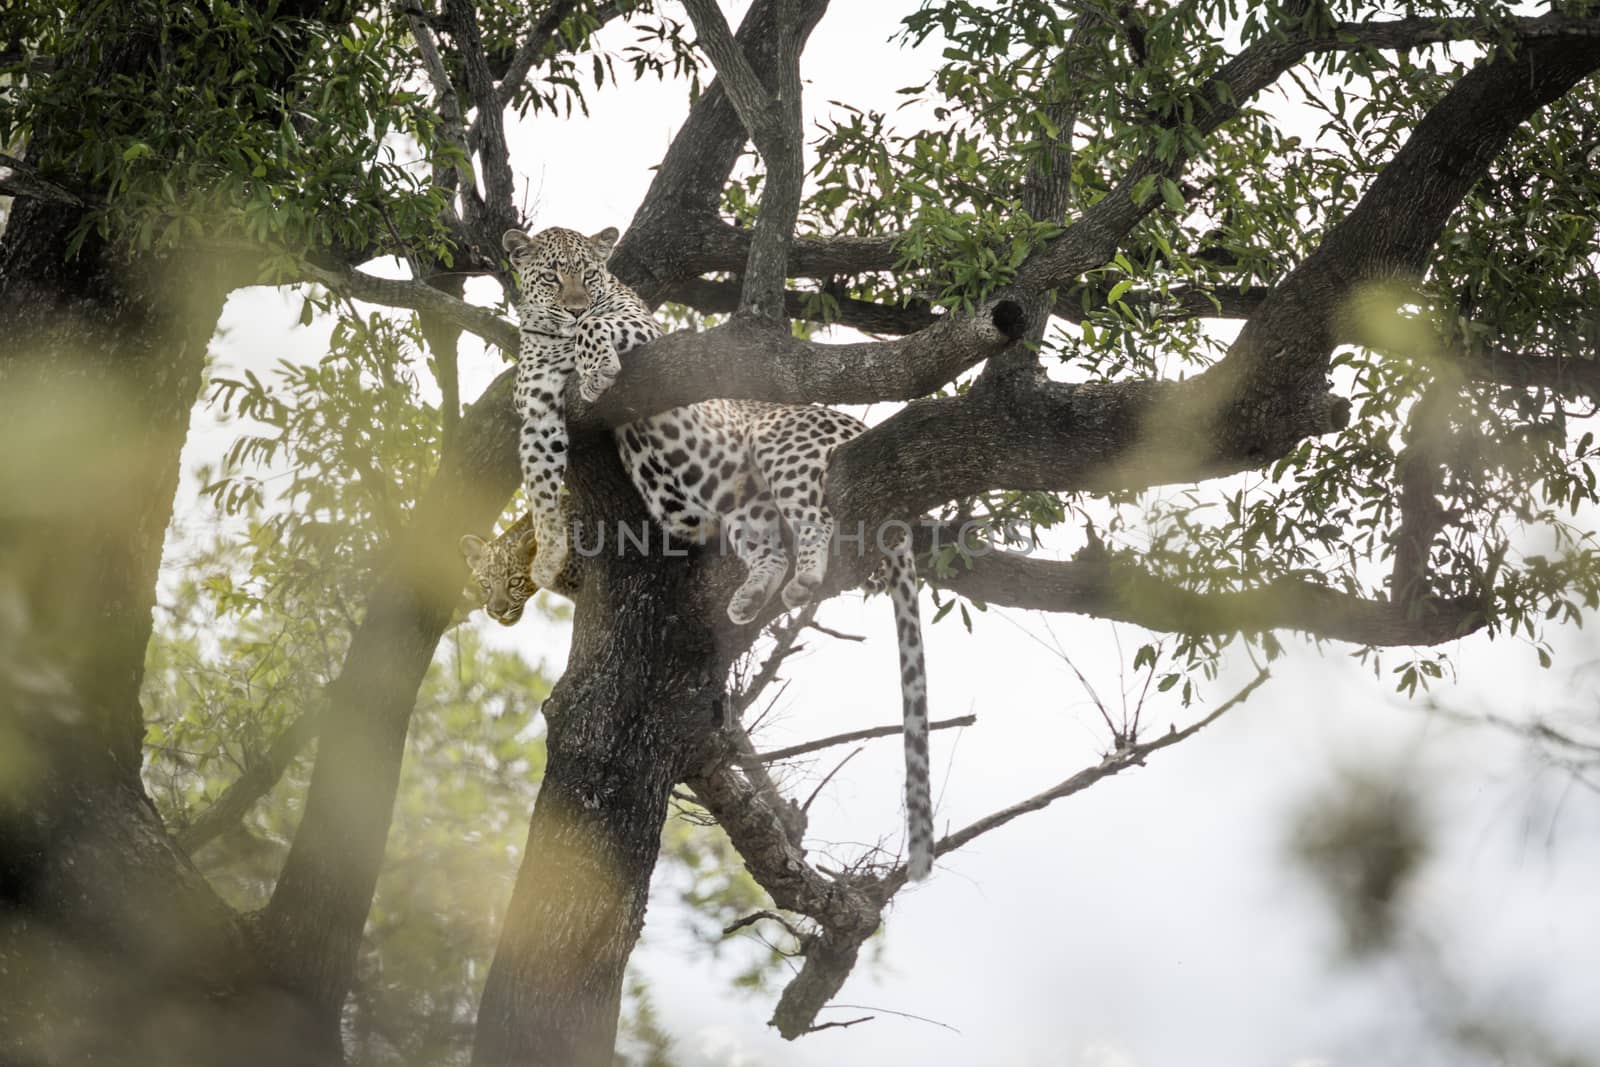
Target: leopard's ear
(473, 549)
(512, 240)
(604, 241)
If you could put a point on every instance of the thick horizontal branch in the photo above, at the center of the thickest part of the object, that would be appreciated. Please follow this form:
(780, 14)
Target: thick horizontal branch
(738, 361)
(869, 316)
(719, 246)
(1026, 432)
(1096, 585)
(1569, 375)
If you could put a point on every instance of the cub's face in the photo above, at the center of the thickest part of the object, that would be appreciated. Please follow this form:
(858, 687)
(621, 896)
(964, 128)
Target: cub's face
(500, 569)
(560, 271)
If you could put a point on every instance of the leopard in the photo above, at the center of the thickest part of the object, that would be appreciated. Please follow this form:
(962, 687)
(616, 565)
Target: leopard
(745, 471)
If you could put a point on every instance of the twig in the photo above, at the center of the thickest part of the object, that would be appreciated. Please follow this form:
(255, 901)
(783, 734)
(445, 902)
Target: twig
(858, 735)
(806, 807)
(1115, 763)
(755, 917)
(900, 1014)
(841, 1025)
(841, 635)
(781, 650)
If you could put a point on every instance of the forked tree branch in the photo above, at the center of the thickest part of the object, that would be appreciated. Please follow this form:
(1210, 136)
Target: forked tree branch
(773, 119)
(847, 908)
(487, 136)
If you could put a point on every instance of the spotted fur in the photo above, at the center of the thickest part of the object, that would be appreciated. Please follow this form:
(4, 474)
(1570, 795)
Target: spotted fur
(742, 469)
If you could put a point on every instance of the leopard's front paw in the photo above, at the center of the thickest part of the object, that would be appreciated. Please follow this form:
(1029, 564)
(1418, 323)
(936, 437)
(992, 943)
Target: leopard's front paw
(593, 386)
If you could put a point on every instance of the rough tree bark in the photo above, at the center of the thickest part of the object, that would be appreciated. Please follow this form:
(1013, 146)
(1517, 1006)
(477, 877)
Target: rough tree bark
(641, 694)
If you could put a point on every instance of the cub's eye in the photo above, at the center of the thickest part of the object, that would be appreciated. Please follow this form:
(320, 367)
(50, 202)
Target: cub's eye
(483, 583)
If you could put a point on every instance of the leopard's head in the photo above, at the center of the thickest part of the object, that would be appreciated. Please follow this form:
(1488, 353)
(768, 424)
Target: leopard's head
(560, 271)
(500, 569)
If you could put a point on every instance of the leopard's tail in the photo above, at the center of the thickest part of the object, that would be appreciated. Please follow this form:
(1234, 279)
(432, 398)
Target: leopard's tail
(902, 582)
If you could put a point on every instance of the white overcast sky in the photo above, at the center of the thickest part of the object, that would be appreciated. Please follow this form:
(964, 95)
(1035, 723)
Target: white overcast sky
(1152, 920)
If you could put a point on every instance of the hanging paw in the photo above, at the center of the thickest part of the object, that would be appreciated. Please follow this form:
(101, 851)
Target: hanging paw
(751, 597)
(592, 386)
(546, 569)
(799, 591)
(595, 376)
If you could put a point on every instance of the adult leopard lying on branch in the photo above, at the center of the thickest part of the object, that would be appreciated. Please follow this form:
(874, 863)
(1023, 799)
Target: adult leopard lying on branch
(739, 470)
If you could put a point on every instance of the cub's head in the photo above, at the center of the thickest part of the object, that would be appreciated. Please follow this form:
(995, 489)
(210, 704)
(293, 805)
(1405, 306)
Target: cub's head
(559, 270)
(500, 567)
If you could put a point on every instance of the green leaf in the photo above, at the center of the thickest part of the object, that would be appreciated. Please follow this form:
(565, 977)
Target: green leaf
(1172, 194)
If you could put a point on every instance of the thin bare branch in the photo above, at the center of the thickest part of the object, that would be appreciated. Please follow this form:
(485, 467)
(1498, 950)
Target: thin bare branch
(783, 647)
(1114, 763)
(808, 747)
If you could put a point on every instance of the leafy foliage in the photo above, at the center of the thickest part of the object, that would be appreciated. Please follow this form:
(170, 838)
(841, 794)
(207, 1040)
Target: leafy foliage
(1515, 272)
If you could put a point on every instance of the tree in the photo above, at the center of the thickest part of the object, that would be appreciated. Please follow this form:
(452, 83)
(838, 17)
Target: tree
(1093, 185)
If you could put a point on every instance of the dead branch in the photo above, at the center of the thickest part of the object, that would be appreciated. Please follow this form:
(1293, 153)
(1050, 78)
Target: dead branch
(809, 747)
(1114, 763)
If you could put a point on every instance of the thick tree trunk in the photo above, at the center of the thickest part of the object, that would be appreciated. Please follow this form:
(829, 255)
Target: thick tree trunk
(641, 695)
(113, 948)
(100, 369)
(311, 930)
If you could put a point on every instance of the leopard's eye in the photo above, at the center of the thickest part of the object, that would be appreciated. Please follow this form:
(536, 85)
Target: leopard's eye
(548, 276)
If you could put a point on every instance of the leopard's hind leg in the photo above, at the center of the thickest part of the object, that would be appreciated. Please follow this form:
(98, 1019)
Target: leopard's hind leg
(791, 448)
(757, 537)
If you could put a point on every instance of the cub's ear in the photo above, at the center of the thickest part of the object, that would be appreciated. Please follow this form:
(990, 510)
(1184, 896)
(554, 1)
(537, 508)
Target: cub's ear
(604, 241)
(512, 240)
(473, 549)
